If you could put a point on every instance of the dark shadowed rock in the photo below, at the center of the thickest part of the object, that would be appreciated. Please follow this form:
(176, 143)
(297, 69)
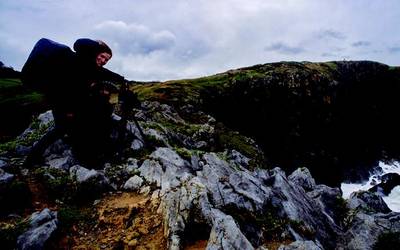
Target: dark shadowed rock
(42, 227)
(367, 202)
(303, 178)
(369, 217)
(388, 182)
(301, 245)
(5, 178)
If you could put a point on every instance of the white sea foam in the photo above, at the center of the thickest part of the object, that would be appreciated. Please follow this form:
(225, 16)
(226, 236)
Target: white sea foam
(392, 200)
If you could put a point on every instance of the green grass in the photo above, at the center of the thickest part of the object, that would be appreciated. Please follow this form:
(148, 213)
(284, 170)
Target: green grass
(17, 105)
(14, 94)
(183, 91)
(9, 83)
(9, 232)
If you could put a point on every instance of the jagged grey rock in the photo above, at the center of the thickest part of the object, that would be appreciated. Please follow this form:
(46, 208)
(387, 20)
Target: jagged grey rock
(301, 245)
(237, 158)
(368, 218)
(56, 149)
(137, 144)
(5, 178)
(64, 163)
(173, 170)
(168, 157)
(156, 134)
(38, 218)
(296, 205)
(151, 171)
(329, 201)
(230, 203)
(368, 202)
(134, 183)
(3, 164)
(226, 234)
(194, 163)
(388, 182)
(89, 179)
(364, 229)
(220, 186)
(132, 165)
(43, 225)
(303, 178)
(46, 118)
(132, 128)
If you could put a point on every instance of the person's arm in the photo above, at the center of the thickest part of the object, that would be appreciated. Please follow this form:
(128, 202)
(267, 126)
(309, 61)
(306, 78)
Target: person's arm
(108, 75)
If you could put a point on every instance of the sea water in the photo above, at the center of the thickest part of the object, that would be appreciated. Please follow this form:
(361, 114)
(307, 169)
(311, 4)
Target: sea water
(392, 200)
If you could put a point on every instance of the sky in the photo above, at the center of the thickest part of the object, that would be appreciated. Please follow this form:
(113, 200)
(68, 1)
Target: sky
(158, 40)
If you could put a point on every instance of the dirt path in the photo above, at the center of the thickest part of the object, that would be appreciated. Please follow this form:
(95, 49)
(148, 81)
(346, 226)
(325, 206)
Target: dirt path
(124, 221)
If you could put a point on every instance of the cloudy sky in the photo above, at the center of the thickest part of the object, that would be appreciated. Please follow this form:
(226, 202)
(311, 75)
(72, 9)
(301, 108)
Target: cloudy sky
(175, 39)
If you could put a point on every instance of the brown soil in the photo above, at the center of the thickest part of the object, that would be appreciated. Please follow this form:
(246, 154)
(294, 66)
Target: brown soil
(198, 245)
(40, 200)
(123, 221)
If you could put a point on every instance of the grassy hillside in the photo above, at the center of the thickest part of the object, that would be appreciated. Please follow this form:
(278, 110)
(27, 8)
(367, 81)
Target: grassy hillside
(17, 105)
(329, 117)
(336, 118)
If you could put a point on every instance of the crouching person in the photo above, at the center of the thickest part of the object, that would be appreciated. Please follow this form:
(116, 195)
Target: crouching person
(71, 82)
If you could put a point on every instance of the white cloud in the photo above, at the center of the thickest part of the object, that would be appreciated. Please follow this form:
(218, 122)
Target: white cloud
(134, 38)
(159, 40)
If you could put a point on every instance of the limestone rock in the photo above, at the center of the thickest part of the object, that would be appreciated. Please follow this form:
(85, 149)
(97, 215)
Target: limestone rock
(388, 182)
(301, 245)
(168, 157)
(368, 202)
(226, 234)
(89, 180)
(43, 225)
(64, 163)
(46, 118)
(134, 183)
(151, 171)
(5, 178)
(364, 229)
(3, 164)
(303, 178)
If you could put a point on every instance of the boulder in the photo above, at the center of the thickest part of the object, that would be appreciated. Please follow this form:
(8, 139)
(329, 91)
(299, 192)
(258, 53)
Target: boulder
(369, 218)
(168, 157)
(43, 226)
(134, 183)
(5, 178)
(302, 245)
(365, 229)
(388, 182)
(3, 164)
(63, 163)
(330, 202)
(225, 234)
(90, 182)
(368, 202)
(303, 178)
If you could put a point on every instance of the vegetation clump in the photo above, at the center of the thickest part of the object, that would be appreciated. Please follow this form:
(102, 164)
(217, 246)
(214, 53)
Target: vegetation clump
(10, 230)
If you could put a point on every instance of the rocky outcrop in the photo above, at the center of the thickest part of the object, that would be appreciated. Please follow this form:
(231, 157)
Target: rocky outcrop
(223, 194)
(388, 182)
(43, 225)
(369, 218)
(301, 113)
